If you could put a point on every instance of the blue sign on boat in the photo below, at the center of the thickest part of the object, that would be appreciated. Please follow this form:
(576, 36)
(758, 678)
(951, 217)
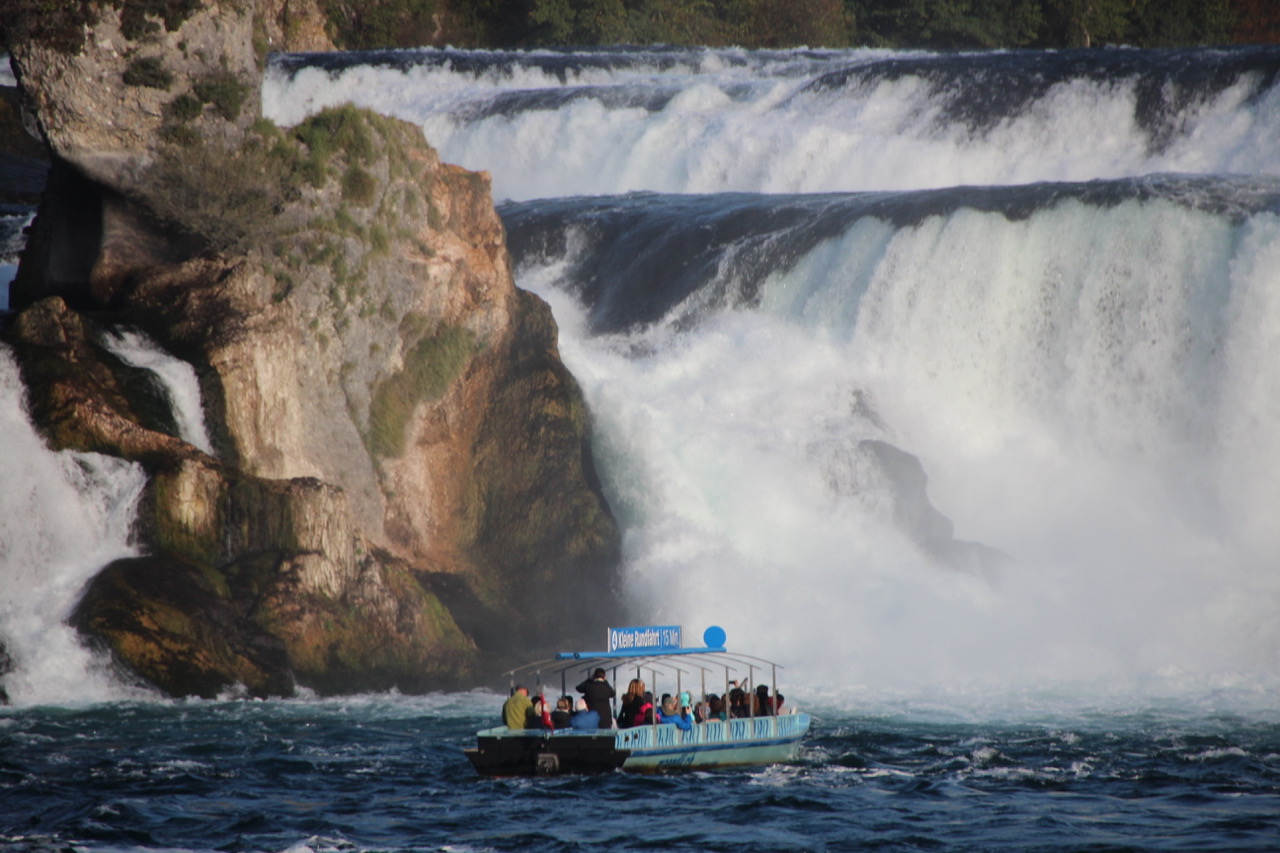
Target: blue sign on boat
(649, 638)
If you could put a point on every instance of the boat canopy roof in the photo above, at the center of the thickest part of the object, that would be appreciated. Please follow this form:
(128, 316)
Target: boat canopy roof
(663, 666)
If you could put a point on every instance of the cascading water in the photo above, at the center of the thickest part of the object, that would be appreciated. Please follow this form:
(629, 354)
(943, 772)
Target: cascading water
(176, 378)
(695, 121)
(978, 402)
(1087, 402)
(63, 516)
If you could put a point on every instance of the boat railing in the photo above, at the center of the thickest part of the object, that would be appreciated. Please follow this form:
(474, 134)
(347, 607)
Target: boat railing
(667, 735)
(717, 731)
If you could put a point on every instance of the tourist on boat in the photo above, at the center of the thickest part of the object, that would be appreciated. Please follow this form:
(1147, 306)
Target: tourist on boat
(515, 711)
(716, 709)
(631, 702)
(599, 695)
(680, 716)
(644, 714)
(677, 714)
(563, 714)
(584, 719)
(738, 705)
(762, 704)
(540, 715)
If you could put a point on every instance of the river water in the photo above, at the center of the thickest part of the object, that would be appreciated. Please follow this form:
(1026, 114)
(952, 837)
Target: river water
(387, 773)
(947, 381)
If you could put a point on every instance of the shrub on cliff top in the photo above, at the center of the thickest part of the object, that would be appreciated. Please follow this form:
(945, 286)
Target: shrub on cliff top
(359, 187)
(62, 24)
(139, 18)
(345, 128)
(230, 199)
(227, 199)
(225, 91)
(148, 71)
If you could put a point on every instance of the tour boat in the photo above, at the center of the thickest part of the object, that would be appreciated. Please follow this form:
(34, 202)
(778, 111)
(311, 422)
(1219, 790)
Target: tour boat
(655, 655)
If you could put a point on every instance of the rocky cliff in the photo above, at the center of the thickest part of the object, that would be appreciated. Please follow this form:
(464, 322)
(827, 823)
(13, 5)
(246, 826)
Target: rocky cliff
(402, 492)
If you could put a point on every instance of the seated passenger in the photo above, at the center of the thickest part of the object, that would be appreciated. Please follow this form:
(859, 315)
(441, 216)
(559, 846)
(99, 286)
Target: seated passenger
(540, 715)
(680, 717)
(738, 706)
(762, 703)
(563, 713)
(584, 719)
(515, 711)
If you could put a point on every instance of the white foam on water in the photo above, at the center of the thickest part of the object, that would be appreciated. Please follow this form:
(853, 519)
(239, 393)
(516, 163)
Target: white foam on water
(760, 127)
(63, 516)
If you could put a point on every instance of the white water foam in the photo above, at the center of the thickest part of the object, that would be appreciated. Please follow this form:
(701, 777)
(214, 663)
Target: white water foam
(755, 128)
(63, 516)
(1088, 391)
(177, 377)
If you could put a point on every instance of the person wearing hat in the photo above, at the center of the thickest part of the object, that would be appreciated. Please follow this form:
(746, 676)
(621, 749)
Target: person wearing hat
(599, 694)
(687, 717)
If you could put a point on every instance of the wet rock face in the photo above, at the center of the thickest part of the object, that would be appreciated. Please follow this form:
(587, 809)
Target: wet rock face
(403, 492)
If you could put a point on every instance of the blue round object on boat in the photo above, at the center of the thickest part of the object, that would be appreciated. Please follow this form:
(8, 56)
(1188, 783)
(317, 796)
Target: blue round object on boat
(714, 637)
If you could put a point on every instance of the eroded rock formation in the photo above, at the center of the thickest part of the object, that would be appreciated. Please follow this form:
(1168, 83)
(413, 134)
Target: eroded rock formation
(402, 492)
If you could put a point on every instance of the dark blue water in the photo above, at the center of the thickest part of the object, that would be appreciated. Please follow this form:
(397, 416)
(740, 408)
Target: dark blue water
(387, 773)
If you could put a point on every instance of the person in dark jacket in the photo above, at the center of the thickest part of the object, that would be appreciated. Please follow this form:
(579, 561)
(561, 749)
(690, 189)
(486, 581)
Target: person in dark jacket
(598, 692)
(563, 713)
(763, 703)
(632, 701)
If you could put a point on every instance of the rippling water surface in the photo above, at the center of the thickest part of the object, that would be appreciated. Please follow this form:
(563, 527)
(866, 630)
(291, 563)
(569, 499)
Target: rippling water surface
(387, 773)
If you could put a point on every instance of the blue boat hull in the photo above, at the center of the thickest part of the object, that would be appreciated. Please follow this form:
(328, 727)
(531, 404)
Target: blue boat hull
(759, 741)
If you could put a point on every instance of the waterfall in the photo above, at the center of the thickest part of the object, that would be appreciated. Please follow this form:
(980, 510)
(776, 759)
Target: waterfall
(923, 372)
(176, 377)
(682, 120)
(63, 516)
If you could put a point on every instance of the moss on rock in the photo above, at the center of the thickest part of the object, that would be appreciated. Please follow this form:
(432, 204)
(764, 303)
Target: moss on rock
(431, 364)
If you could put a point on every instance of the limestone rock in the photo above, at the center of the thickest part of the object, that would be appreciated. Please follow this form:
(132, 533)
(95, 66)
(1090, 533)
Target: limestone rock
(403, 492)
(102, 92)
(294, 26)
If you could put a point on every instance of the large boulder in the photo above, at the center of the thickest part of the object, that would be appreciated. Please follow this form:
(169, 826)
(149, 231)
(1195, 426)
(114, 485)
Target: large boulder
(402, 491)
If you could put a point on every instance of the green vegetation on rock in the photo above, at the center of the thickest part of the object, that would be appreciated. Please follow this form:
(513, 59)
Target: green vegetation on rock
(148, 71)
(62, 24)
(431, 364)
(225, 91)
(232, 198)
